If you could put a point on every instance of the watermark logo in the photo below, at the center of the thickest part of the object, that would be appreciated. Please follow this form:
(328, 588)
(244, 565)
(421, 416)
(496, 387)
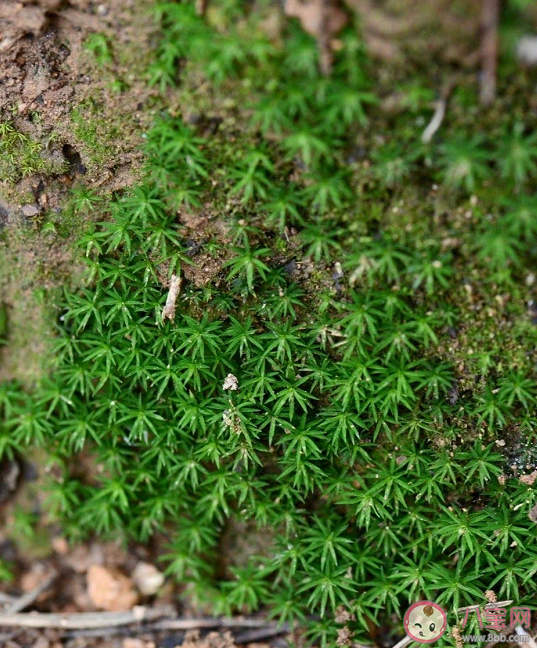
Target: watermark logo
(425, 622)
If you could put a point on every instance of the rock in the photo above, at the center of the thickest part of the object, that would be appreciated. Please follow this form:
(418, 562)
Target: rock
(41, 643)
(30, 210)
(529, 480)
(60, 545)
(147, 578)
(110, 590)
(526, 50)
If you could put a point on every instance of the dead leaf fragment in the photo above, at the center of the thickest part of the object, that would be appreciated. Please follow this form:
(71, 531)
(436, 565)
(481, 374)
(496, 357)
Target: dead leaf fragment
(533, 514)
(110, 590)
(168, 312)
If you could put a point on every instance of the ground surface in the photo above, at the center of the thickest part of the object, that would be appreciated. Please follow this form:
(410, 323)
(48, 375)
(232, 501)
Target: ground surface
(83, 103)
(86, 122)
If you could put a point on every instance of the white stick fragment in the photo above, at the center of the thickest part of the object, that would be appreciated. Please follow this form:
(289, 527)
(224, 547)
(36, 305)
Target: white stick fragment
(436, 121)
(83, 620)
(168, 312)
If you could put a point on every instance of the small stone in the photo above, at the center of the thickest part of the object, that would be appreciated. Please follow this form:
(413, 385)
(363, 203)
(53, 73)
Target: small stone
(30, 210)
(32, 579)
(529, 480)
(110, 590)
(526, 50)
(60, 545)
(147, 578)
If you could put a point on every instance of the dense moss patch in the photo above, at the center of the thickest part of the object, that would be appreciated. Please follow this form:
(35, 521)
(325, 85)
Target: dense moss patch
(332, 370)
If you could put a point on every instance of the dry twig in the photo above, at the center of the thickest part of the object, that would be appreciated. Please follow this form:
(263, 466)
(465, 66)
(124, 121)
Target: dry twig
(252, 636)
(440, 106)
(489, 50)
(18, 604)
(212, 623)
(529, 642)
(168, 312)
(83, 620)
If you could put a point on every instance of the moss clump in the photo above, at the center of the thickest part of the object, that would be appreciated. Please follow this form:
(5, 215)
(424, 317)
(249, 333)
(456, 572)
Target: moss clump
(98, 137)
(20, 157)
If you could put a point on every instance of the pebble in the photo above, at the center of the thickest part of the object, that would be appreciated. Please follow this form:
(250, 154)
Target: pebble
(147, 578)
(30, 210)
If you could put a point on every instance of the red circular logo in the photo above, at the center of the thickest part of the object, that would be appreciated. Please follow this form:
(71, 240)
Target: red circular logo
(425, 622)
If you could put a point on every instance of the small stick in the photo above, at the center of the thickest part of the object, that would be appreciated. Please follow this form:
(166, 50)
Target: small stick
(440, 106)
(24, 601)
(323, 39)
(171, 301)
(211, 623)
(529, 642)
(436, 121)
(251, 636)
(489, 50)
(261, 629)
(471, 608)
(404, 642)
(83, 620)
(201, 7)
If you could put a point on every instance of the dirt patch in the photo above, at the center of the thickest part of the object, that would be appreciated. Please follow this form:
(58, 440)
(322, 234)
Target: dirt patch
(67, 97)
(74, 117)
(402, 30)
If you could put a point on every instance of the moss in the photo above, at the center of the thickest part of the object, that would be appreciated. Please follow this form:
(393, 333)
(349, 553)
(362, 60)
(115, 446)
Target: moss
(376, 381)
(21, 157)
(98, 136)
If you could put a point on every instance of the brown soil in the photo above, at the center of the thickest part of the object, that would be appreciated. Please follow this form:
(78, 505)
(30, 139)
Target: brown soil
(48, 75)
(88, 118)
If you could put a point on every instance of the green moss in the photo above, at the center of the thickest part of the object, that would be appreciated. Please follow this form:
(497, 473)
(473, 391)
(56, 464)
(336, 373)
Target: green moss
(21, 157)
(97, 135)
(99, 46)
(365, 295)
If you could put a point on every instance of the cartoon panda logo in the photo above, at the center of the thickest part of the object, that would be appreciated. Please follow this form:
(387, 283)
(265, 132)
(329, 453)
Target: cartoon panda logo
(425, 622)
